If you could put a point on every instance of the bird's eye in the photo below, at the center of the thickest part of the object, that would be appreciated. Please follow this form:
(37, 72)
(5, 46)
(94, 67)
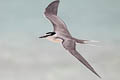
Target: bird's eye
(48, 32)
(51, 33)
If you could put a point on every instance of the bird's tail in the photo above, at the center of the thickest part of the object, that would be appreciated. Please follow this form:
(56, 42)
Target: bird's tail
(87, 42)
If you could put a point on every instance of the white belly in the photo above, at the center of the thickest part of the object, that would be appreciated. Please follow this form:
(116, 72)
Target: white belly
(53, 39)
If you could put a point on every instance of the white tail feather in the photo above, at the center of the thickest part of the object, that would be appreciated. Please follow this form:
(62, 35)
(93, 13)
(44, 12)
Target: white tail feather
(92, 45)
(91, 41)
(94, 41)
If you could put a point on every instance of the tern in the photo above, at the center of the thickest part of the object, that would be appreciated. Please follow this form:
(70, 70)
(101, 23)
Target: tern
(61, 34)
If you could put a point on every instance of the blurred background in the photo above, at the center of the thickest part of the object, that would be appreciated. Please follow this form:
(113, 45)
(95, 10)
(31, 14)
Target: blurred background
(23, 56)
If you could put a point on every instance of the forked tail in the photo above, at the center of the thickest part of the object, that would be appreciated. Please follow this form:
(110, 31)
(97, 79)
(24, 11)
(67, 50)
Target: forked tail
(87, 42)
(81, 41)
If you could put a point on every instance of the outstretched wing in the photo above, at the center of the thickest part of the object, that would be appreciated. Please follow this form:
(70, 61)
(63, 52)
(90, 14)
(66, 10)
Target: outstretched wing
(52, 8)
(70, 46)
(51, 14)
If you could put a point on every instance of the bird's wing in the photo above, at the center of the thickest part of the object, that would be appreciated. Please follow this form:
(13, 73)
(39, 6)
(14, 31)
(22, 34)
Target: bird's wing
(51, 14)
(71, 47)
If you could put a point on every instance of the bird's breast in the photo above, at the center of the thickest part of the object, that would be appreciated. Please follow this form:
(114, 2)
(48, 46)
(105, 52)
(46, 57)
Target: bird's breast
(54, 39)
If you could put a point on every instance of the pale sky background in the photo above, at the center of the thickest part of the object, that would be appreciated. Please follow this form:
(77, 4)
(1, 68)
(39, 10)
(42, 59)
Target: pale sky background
(25, 57)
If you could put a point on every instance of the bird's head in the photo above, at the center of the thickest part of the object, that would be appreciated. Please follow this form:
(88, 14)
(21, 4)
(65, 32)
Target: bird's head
(48, 34)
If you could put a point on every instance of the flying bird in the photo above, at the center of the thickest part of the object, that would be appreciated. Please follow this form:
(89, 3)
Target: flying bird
(61, 34)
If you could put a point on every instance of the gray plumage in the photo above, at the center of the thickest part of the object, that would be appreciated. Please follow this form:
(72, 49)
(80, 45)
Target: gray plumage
(58, 24)
(69, 42)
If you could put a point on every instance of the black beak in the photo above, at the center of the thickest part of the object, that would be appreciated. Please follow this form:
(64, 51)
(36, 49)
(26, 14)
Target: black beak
(43, 36)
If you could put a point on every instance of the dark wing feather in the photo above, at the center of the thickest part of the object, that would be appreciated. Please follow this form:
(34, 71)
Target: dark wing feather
(51, 14)
(70, 46)
(52, 8)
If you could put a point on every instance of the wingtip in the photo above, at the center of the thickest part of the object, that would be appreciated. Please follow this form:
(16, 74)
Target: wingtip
(99, 76)
(96, 73)
(52, 8)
